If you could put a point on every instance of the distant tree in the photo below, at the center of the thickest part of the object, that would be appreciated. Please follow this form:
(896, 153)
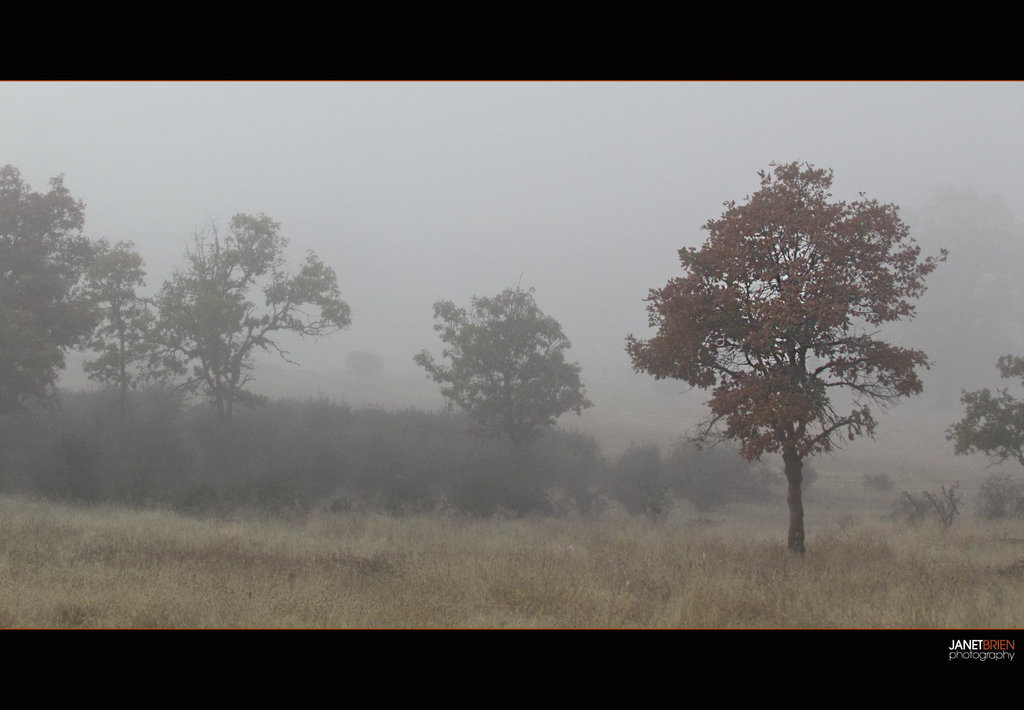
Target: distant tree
(43, 255)
(123, 337)
(206, 318)
(506, 365)
(364, 364)
(992, 424)
(779, 309)
(878, 482)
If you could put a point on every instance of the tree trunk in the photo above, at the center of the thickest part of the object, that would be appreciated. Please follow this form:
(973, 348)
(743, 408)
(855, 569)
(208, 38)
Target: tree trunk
(124, 387)
(794, 477)
(124, 403)
(122, 361)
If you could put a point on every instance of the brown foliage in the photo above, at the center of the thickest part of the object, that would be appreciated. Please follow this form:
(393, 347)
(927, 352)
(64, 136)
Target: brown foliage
(780, 307)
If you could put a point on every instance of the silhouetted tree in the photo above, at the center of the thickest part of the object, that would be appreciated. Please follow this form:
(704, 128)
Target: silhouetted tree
(779, 309)
(506, 365)
(123, 337)
(992, 424)
(207, 320)
(43, 255)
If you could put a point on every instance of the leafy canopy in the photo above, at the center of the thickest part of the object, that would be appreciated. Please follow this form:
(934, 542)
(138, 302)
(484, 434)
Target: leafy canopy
(122, 340)
(506, 364)
(208, 320)
(993, 423)
(43, 255)
(780, 308)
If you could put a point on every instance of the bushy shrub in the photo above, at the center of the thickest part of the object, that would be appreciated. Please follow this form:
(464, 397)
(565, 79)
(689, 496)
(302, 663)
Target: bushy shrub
(942, 507)
(1001, 496)
(22, 448)
(558, 473)
(289, 455)
(81, 448)
(645, 482)
(569, 467)
(640, 483)
(709, 478)
(493, 485)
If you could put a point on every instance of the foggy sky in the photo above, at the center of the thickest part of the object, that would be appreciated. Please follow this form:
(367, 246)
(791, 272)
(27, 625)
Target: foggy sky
(415, 192)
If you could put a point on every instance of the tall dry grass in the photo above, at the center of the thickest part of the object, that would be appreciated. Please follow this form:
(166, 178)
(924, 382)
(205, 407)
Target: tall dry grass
(114, 567)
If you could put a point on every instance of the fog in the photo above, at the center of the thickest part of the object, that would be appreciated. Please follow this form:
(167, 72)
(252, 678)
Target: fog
(415, 192)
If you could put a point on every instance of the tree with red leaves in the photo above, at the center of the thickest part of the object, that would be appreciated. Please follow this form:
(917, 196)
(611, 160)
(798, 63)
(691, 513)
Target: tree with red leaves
(780, 310)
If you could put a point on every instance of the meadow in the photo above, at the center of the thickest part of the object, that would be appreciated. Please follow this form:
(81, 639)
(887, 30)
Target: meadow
(314, 514)
(104, 566)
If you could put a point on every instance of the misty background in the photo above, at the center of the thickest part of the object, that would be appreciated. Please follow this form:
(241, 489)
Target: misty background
(417, 192)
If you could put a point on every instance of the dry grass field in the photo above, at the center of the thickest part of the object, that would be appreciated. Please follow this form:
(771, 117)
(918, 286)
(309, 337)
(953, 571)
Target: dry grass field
(105, 567)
